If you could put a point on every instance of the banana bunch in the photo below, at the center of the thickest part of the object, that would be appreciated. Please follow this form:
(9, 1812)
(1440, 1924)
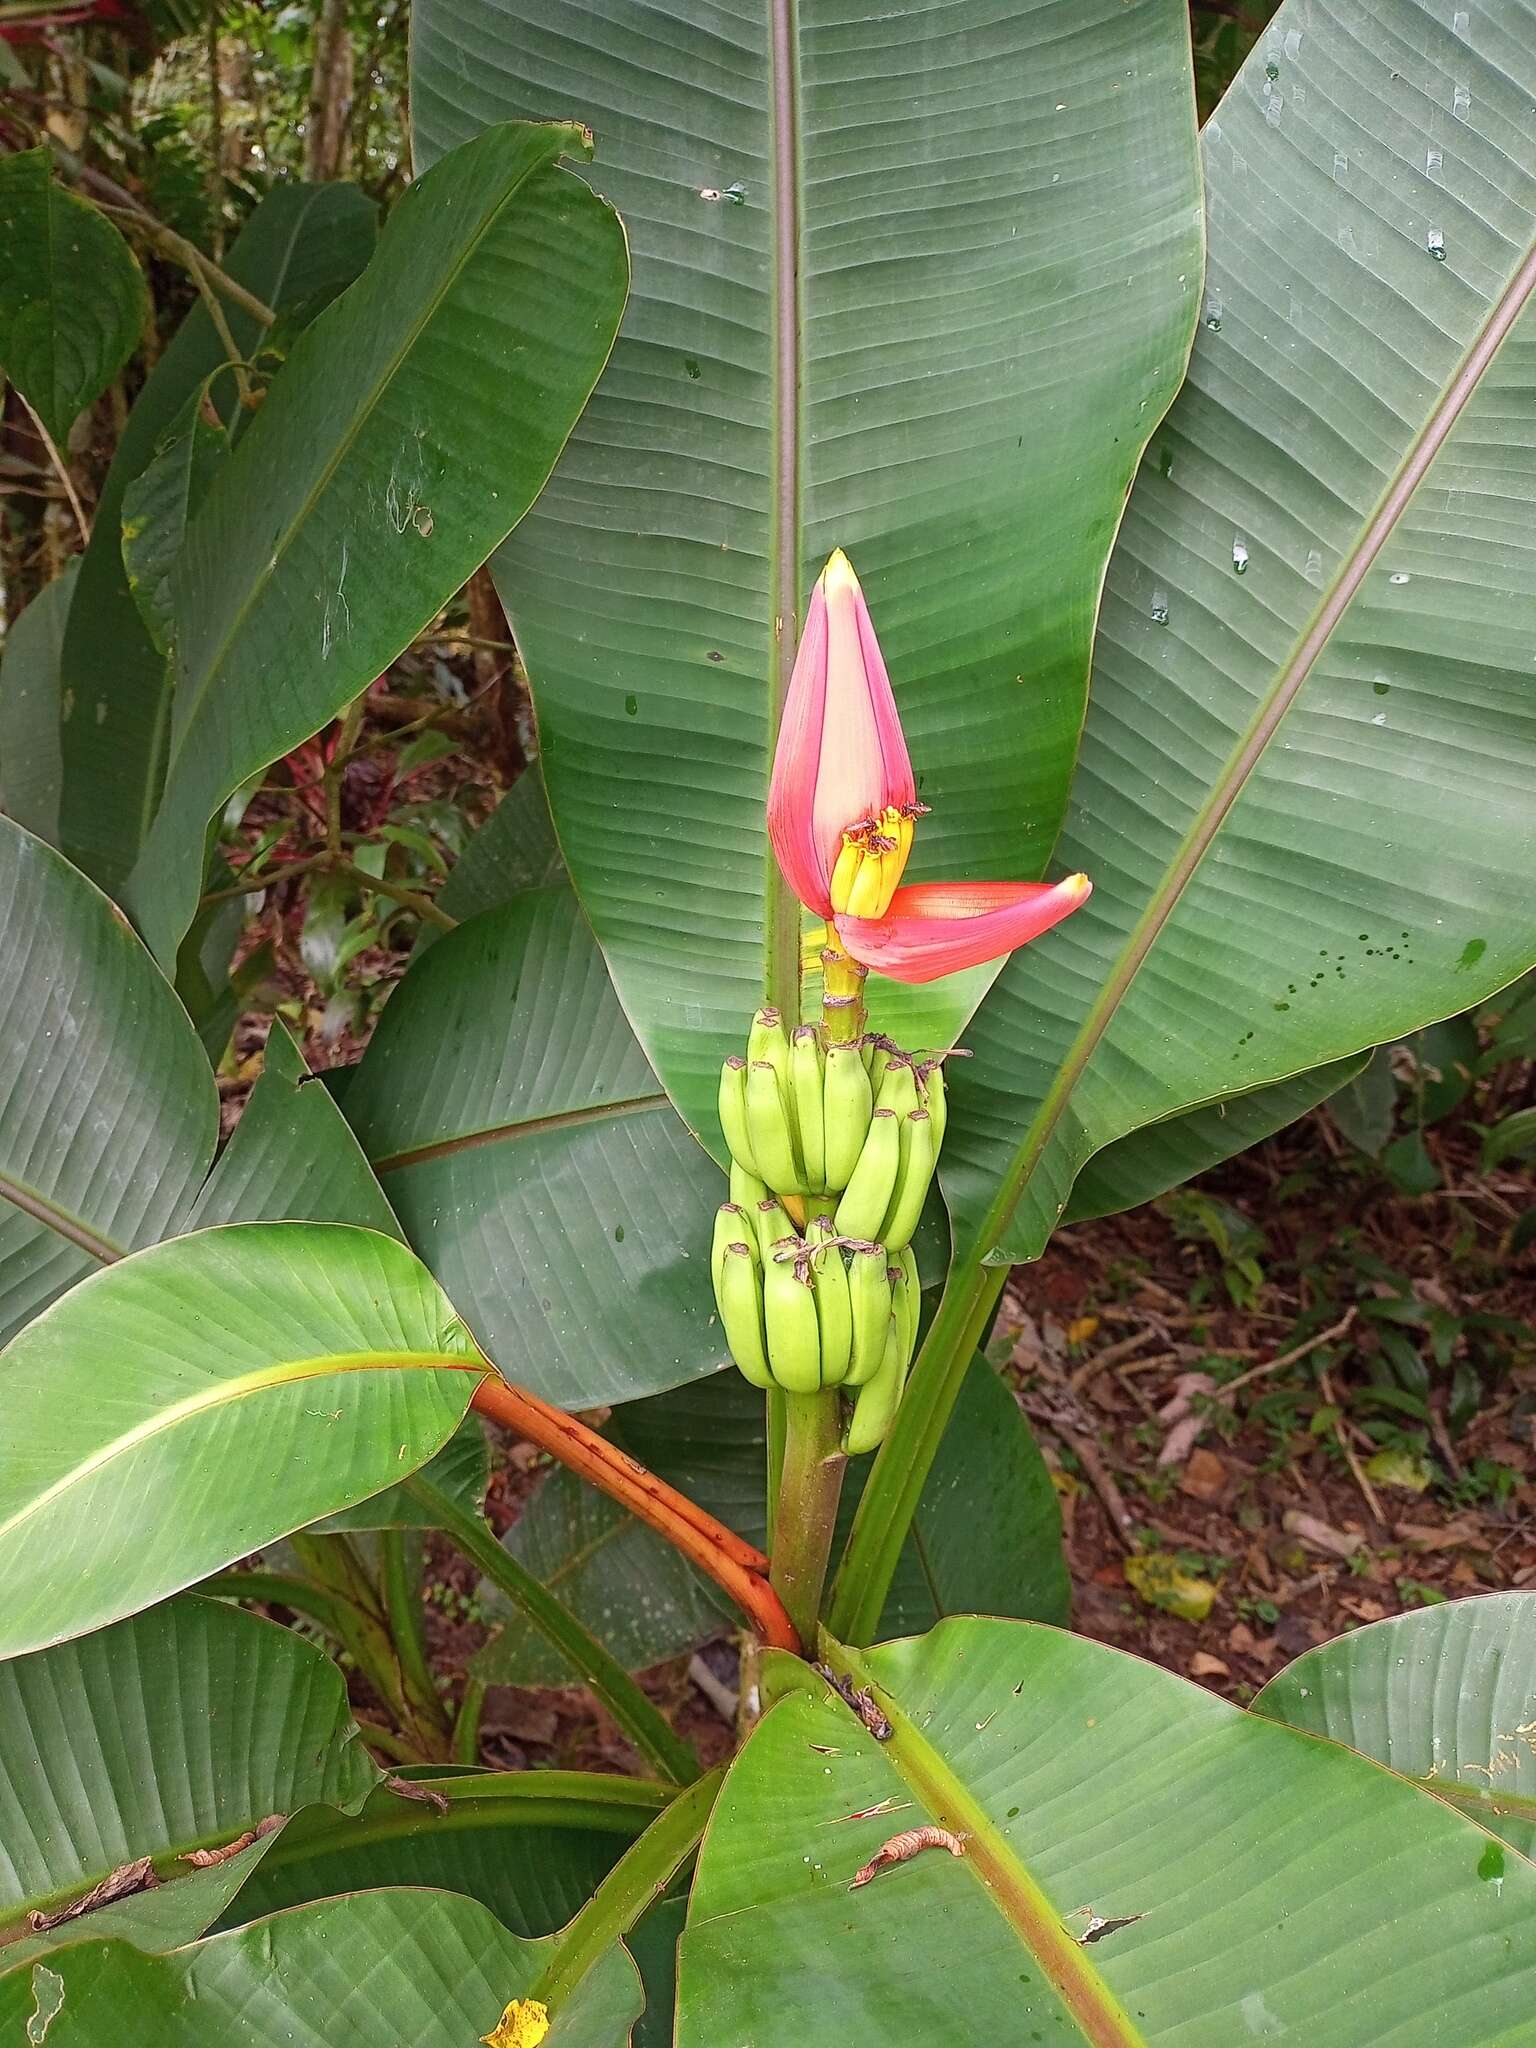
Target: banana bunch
(833, 1149)
(822, 1310)
(862, 1121)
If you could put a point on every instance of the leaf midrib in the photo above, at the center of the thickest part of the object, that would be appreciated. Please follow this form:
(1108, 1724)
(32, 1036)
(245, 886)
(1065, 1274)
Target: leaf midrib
(282, 1373)
(1249, 751)
(525, 1127)
(781, 911)
(62, 1221)
(995, 1864)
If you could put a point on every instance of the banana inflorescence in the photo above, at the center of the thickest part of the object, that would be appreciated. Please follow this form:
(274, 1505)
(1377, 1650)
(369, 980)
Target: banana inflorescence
(833, 1149)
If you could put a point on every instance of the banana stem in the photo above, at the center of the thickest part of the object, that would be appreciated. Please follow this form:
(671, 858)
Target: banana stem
(842, 993)
(807, 1511)
(734, 1564)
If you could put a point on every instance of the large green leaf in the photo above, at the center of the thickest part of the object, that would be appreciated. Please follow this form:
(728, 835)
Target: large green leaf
(160, 503)
(72, 299)
(108, 1110)
(986, 1537)
(1446, 1696)
(1307, 787)
(1149, 1161)
(207, 1396)
(30, 765)
(300, 247)
(1270, 1884)
(534, 1162)
(530, 1845)
(179, 1730)
(916, 283)
(421, 1967)
(292, 1155)
(411, 428)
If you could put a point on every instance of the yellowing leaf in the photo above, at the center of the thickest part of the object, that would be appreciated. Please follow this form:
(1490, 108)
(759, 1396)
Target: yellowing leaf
(1157, 1578)
(523, 2025)
(1080, 1330)
(1405, 1469)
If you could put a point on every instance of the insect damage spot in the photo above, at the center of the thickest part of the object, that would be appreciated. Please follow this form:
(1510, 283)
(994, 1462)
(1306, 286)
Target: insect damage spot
(122, 1883)
(47, 2002)
(859, 1701)
(902, 1848)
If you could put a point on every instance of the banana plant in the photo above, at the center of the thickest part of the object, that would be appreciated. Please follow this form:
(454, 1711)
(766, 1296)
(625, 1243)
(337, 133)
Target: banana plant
(1171, 747)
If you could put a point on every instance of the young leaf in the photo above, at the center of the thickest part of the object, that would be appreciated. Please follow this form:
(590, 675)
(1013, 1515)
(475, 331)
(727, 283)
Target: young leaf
(205, 1397)
(158, 504)
(408, 432)
(300, 247)
(72, 299)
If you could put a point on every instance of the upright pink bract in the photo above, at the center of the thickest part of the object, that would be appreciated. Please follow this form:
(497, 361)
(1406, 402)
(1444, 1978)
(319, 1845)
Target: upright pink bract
(842, 806)
(842, 757)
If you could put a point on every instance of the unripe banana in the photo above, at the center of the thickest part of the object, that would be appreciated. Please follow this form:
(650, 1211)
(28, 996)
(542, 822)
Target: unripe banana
(768, 1129)
(789, 1316)
(746, 1189)
(805, 1070)
(869, 1303)
(847, 1103)
(898, 1087)
(769, 1041)
(773, 1225)
(880, 1059)
(908, 1300)
(868, 1193)
(733, 1111)
(740, 1299)
(867, 1046)
(911, 1188)
(936, 1101)
(878, 1398)
(732, 1226)
(834, 1311)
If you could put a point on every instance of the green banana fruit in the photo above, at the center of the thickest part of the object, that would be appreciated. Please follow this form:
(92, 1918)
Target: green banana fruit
(847, 1103)
(910, 1299)
(732, 1226)
(746, 1189)
(834, 1310)
(869, 1303)
(739, 1296)
(884, 1051)
(873, 1182)
(768, 1128)
(773, 1225)
(806, 1075)
(733, 1111)
(911, 1185)
(898, 1087)
(936, 1100)
(769, 1041)
(878, 1398)
(789, 1316)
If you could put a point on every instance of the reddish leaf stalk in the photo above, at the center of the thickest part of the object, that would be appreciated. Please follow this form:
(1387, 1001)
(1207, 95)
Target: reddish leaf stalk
(734, 1564)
